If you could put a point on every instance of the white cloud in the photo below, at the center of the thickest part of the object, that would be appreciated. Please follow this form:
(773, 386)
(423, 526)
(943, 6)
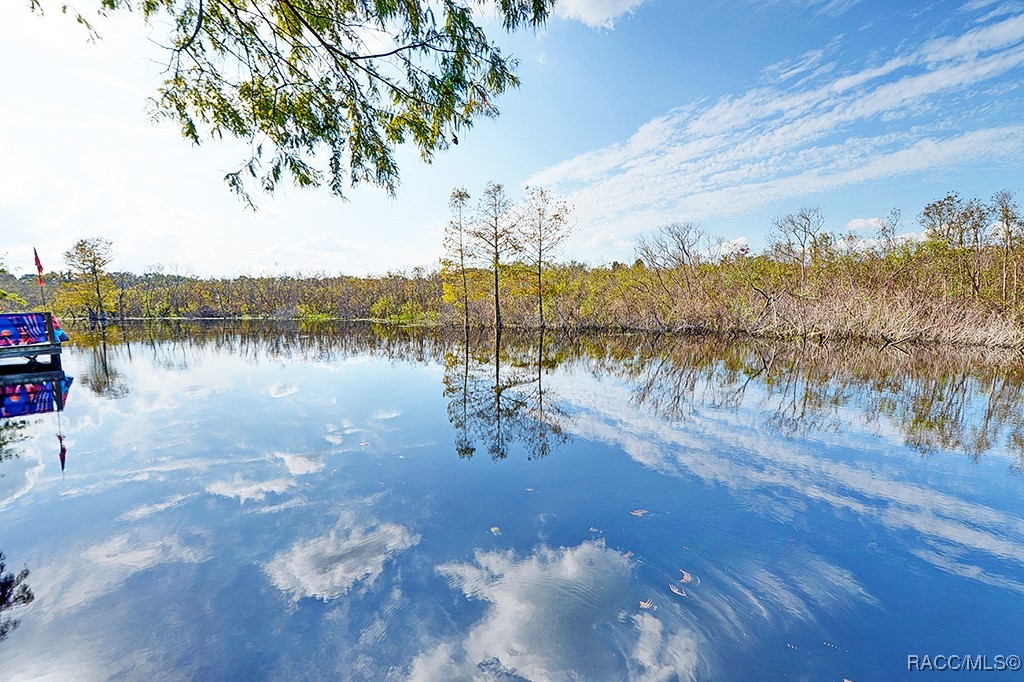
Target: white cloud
(558, 614)
(145, 510)
(75, 579)
(573, 613)
(244, 490)
(759, 460)
(327, 567)
(19, 477)
(977, 41)
(863, 224)
(596, 13)
(300, 464)
(741, 153)
(283, 390)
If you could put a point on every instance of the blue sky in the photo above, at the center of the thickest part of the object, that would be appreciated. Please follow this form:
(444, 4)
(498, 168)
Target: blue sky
(640, 112)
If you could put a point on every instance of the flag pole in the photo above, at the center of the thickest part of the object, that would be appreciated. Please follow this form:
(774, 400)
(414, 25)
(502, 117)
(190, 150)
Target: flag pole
(39, 274)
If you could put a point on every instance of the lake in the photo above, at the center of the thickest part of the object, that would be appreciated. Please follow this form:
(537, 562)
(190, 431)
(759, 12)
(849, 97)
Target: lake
(260, 501)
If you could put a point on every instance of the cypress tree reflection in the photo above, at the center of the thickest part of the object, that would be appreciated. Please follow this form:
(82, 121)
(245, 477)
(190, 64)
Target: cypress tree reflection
(13, 592)
(103, 375)
(497, 397)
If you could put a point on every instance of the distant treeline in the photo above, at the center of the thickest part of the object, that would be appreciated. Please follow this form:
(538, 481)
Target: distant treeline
(961, 282)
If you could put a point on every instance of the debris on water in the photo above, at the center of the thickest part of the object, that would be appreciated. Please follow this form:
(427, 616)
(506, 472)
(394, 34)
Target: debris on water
(401, 457)
(791, 646)
(649, 604)
(638, 512)
(677, 590)
(529, 490)
(627, 554)
(688, 577)
(364, 443)
(495, 530)
(592, 529)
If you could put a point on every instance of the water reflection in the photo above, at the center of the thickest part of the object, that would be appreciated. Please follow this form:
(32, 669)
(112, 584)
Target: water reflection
(11, 432)
(925, 395)
(14, 592)
(103, 374)
(496, 393)
(20, 395)
(660, 508)
(565, 613)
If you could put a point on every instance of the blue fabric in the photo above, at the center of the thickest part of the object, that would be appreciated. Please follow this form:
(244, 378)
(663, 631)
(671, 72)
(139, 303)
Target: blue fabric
(24, 399)
(22, 329)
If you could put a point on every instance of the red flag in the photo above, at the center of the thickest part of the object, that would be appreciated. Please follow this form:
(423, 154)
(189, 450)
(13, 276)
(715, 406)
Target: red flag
(39, 266)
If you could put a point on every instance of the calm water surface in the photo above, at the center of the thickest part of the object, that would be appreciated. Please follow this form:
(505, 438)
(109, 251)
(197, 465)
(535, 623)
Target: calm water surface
(343, 503)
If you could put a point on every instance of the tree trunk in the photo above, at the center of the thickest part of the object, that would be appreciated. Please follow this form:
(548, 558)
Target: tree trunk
(1005, 249)
(540, 295)
(497, 300)
(465, 285)
(99, 296)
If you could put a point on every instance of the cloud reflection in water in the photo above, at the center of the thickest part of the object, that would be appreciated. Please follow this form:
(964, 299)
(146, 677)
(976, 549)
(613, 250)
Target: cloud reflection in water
(327, 567)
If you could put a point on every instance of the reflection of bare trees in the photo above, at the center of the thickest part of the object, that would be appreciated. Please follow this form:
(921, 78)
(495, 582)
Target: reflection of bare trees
(545, 433)
(497, 398)
(103, 375)
(968, 401)
(13, 592)
(178, 343)
(11, 431)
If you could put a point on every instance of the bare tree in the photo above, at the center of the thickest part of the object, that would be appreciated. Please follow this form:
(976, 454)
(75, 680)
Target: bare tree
(673, 251)
(1008, 227)
(493, 236)
(941, 219)
(795, 236)
(887, 228)
(962, 226)
(543, 226)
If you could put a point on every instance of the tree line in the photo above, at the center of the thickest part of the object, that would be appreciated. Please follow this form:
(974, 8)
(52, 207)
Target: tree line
(958, 280)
